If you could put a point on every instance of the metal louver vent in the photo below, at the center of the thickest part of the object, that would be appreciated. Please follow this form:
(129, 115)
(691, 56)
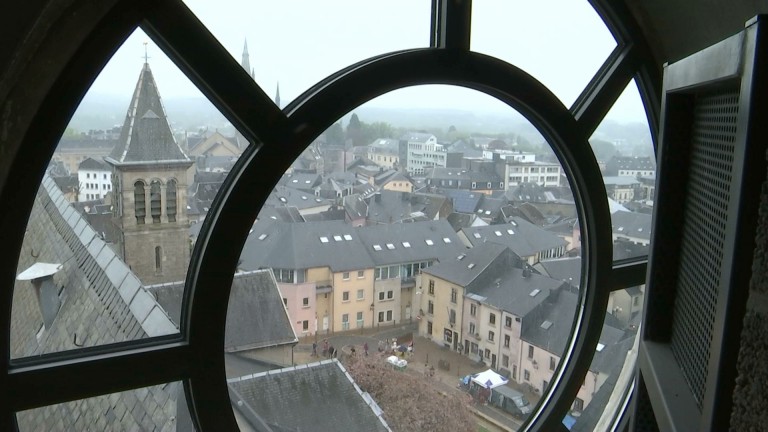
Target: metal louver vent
(705, 213)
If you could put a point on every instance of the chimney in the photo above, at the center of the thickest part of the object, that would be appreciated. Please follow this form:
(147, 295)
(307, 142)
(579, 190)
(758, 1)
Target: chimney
(377, 197)
(526, 272)
(41, 276)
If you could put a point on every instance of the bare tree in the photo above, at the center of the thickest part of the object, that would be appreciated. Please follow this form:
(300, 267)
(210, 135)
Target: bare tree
(411, 401)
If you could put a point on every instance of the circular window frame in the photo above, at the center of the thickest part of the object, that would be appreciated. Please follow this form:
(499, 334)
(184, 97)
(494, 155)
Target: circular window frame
(106, 29)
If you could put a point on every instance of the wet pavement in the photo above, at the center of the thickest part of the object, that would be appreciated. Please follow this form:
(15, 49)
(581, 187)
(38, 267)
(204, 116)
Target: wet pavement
(446, 366)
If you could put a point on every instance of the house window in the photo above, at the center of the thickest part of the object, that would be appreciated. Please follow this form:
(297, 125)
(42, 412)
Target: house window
(526, 375)
(305, 325)
(508, 322)
(453, 295)
(359, 320)
(345, 321)
(578, 405)
(158, 259)
(345, 275)
(390, 294)
(360, 294)
(154, 201)
(381, 295)
(389, 315)
(431, 287)
(170, 200)
(636, 300)
(514, 372)
(491, 336)
(544, 385)
(429, 327)
(472, 328)
(345, 296)
(140, 205)
(360, 274)
(506, 341)
(381, 316)
(472, 309)
(530, 351)
(430, 307)
(452, 316)
(504, 360)
(487, 353)
(492, 319)
(305, 302)
(552, 363)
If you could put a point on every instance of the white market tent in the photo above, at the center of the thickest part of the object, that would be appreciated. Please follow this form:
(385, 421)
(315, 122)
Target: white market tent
(489, 379)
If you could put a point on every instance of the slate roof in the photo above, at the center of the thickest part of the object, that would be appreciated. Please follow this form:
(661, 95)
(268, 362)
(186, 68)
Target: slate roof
(523, 237)
(256, 317)
(489, 208)
(299, 246)
(617, 163)
(283, 196)
(386, 207)
(102, 303)
(355, 206)
(631, 224)
(300, 181)
(315, 397)
(464, 201)
(416, 137)
(564, 269)
(467, 265)
(386, 145)
(405, 243)
(621, 181)
(511, 290)
(560, 312)
(94, 164)
(146, 135)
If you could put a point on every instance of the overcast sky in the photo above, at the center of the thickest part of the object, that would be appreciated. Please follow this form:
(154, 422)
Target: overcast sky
(299, 42)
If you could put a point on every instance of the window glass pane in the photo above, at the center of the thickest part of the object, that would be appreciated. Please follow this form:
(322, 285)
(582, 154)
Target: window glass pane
(563, 50)
(159, 408)
(288, 46)
(613, 366)
(624, 150)
(109, 238)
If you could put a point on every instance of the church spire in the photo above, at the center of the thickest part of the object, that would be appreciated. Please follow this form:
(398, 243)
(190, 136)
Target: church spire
(277, 95)
(146, 135)
(246, 62)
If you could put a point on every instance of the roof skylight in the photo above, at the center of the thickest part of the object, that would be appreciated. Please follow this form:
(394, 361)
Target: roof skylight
(377, 247)
(406, 245)
(429, 242)
(477, 235)
(337, 237)
(471, 266)
(446, 240)
(324, 239)
(498, 233)
(510, 232)
(347, 237)
(262, 237)
(546, 324)
(390, 246)
(534, 292)
(599, 347)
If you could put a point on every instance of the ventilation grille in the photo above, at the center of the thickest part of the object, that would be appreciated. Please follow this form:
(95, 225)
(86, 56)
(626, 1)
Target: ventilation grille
(705, 213)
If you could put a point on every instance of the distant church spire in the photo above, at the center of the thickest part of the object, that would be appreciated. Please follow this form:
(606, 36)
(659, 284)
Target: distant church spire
(277, 95)
(246, 62)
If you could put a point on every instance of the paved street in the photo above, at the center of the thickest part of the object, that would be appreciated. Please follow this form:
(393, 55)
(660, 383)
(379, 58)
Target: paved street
(448, 366)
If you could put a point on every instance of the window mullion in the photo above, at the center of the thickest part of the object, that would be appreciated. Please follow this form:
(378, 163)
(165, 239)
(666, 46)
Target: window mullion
(96, 375)
(218, 75)
(629, 274)
(451, 24)
(604, 89)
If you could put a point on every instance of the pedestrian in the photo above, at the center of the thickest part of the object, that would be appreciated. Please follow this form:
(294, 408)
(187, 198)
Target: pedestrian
(353, 351)
(325, 347)
(331, 352)
(314, 349)
(365, 348)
